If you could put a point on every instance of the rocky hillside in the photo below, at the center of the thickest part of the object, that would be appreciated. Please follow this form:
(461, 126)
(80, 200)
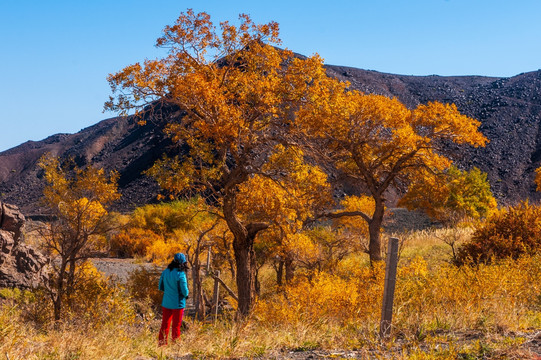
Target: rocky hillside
(509, 109)
(115, 144)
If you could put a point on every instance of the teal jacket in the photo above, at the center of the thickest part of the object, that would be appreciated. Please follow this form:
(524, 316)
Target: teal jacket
(174, 285)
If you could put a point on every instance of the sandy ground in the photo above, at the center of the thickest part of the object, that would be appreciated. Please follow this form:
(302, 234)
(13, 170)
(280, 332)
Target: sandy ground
(119, 269)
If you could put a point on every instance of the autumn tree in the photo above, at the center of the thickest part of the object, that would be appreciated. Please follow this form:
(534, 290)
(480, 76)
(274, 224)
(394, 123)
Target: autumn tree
(377, 142)
(76, 200)
(452, 195)
(285, 205)
(238, 98)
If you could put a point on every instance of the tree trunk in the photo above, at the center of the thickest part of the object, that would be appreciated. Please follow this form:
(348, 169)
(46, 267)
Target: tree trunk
(245, 276)
(257, 283)
(243, 247)
(374, 230)
(197, 288)
(280, 273)
(70, 281)
(57, 301)
(290, 269)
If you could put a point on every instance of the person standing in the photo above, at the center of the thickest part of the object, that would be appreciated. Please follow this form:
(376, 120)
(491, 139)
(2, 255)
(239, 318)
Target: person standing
(174, 284)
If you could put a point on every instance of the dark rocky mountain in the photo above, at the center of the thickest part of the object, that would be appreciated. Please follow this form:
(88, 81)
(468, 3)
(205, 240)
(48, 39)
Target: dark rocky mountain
(508, 108)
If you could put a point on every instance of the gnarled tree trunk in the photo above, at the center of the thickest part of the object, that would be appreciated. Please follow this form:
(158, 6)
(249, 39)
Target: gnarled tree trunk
(243, 247)
(374, 230)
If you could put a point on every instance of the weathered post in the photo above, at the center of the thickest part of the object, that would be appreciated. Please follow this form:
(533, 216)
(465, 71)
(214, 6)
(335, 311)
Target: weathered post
(216, 295)
(208, 259)
(388, 290)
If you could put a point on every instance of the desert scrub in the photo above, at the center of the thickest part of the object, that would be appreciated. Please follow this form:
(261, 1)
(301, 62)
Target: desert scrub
(501, 296)
(497, 297)
(510, 232)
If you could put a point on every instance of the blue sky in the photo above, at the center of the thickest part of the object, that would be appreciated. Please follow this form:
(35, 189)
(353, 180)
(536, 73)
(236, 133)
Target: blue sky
(55, 55)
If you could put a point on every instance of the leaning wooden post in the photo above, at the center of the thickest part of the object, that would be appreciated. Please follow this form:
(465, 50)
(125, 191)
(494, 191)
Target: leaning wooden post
(216, 296)
(208, 259)
(388, 291)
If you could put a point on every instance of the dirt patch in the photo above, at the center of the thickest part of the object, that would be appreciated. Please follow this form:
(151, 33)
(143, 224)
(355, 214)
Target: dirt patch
(120, 269)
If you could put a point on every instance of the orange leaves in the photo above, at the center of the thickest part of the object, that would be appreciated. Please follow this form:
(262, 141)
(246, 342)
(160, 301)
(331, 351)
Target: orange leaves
(508, 233)
(355, 224)
(193, 31)
(288, 191)
(444, 121)
(378, 139)
(452, 196)
(158, 231)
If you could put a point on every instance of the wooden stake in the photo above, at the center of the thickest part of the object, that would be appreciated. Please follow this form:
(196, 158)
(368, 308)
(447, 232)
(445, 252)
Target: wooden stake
(208, 259)
(216, 296)
(388, 291)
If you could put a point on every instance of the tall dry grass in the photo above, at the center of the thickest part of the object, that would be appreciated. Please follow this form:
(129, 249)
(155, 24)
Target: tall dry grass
(440, 311)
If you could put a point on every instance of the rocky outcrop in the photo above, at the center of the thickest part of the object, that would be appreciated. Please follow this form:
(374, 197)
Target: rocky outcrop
(21, 266)
(11, 219)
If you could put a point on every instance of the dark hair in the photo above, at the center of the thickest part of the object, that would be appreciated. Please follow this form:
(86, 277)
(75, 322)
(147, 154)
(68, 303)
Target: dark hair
(176, 265)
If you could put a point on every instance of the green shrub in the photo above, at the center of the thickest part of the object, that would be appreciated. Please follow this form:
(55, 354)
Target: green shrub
(507, 233)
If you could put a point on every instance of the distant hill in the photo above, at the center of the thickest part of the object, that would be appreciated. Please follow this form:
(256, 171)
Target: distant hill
(509, 109)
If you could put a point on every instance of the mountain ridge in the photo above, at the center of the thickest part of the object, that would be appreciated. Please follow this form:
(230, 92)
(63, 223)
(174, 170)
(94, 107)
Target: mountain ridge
(509, 110)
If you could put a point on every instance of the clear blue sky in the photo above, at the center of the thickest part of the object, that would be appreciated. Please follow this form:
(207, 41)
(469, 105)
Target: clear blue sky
(55, 55)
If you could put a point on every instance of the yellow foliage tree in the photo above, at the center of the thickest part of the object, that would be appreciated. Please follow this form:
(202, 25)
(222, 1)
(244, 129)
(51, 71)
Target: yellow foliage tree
(350, 226)
(285, 194)
(77, 201)
(377, 141)
(237, 98)
(452, 196)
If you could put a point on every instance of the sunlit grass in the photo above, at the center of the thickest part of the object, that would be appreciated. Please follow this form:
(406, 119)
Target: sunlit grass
(440, 311)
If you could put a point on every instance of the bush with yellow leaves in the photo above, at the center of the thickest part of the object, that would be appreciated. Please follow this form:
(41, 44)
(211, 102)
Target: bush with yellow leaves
(509, 232)
(444, 297)
(97, 300)
(327, 297)
(133, 242)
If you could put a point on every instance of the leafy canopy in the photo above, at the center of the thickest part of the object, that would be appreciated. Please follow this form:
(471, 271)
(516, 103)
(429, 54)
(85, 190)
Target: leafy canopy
(452, 195)
(377, 141)
(237, 94)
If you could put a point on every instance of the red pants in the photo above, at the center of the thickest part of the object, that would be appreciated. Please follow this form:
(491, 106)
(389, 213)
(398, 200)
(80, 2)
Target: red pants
(167, 316)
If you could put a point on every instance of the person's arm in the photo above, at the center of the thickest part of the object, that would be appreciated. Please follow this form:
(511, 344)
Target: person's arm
(183, 284)
(161, 285)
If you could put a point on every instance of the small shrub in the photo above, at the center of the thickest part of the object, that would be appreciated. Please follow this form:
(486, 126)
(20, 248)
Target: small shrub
(142, 286)
(509, 232)
(97, 300)
(133, 242)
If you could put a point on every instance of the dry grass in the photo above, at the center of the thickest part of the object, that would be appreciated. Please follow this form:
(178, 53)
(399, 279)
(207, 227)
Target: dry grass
(441, 312)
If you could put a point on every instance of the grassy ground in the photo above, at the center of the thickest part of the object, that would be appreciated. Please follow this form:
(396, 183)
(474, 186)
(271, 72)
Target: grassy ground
(440, 312)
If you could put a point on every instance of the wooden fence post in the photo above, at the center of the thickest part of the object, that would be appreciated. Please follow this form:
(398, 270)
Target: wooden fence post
(388, 291)
(216, 296)
(208, 259)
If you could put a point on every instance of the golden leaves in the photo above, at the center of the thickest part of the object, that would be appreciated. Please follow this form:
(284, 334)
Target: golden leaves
(77, 199)
(86, 190)
(378, 139)
(444, 121)
(287, 191)
(452, 195)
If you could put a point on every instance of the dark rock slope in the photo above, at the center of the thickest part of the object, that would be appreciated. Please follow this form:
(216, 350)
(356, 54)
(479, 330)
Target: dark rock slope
(509, 109)
(115, 144)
